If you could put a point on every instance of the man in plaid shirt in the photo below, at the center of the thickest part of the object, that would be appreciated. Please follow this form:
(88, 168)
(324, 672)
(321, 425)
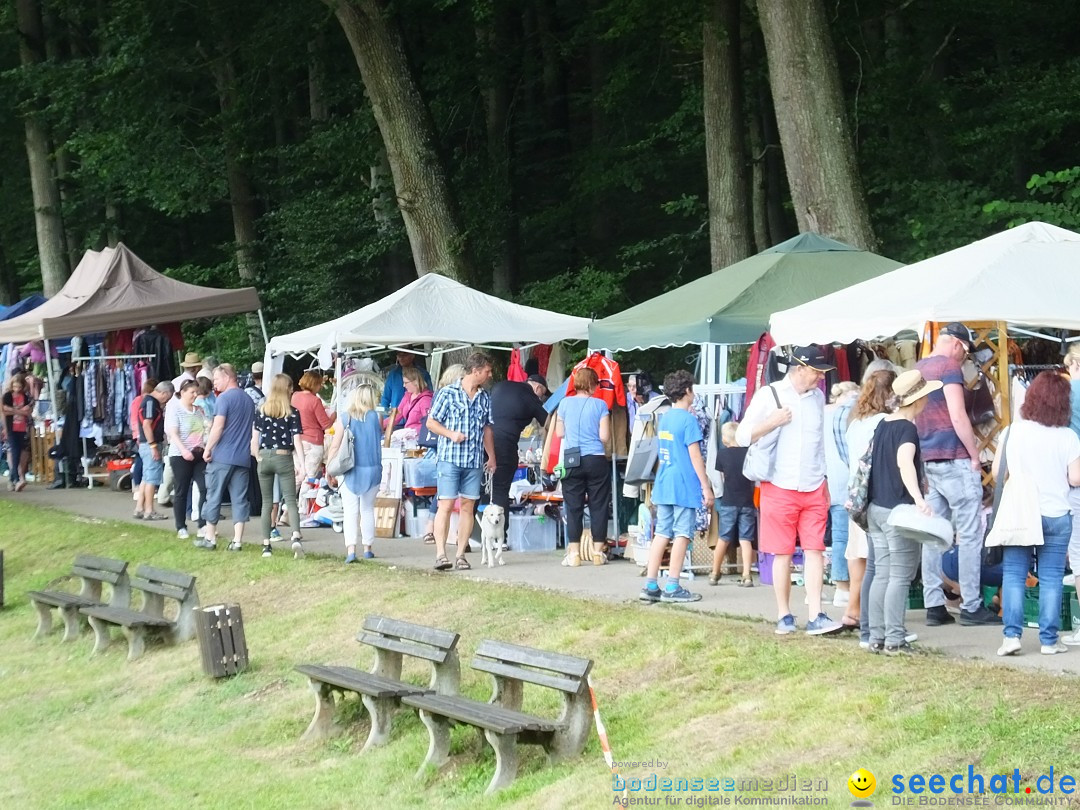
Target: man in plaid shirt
(461, 417)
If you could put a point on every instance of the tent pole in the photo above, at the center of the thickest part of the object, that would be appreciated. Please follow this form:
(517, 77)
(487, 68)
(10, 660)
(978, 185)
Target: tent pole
(262, 323)
(52, 387)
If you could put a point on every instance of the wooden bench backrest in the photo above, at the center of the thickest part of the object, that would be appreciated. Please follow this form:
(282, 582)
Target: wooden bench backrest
(416, 640)
(101, 569)
(170, 584)
(566, 673)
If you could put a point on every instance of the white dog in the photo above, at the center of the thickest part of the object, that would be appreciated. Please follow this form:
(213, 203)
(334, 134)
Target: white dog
(492, 530)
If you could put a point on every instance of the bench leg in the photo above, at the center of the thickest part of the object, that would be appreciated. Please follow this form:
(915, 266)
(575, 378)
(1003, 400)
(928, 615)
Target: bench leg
(439, 741)
(322, 724)
(380, 710)
(506, 760)
(70, 615)
(136, 637)
(101, 634)
(44, 620)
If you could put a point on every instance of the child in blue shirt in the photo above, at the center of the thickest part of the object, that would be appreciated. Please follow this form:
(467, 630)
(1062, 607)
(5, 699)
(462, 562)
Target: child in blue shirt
(681, 488)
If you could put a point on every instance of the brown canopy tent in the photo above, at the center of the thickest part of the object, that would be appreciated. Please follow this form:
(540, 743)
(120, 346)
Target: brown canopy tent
(115, 289)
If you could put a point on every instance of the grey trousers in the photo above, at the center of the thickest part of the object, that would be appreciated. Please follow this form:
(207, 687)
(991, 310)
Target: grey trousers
(895, 562)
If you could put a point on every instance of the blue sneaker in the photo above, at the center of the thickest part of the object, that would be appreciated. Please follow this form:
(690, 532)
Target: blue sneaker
(822, 626)
(650, 595)
(786, 625)
(275, 534)
(369, 554)
(350, 559)
(680, 594)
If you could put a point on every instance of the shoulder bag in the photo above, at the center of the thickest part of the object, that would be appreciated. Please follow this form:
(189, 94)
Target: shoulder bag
(345, 459)
(760, 459)
(858, 500)
(1016, 519)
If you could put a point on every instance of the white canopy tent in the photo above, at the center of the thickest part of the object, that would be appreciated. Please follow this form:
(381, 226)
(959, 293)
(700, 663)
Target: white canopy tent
(1028, 276)
(432, 309)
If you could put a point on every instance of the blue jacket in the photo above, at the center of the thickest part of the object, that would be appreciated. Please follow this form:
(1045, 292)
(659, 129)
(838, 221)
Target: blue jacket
(394, 387)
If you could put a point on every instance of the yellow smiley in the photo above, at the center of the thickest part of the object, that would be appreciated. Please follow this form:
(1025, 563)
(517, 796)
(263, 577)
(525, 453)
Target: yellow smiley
(862, 783)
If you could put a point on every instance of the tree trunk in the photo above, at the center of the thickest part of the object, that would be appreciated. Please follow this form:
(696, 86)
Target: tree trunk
(825, 185)
(9, 282)
(48, 220)
(423, 194)
(398, 268)
(317, 105)
(113, 221)
(725, 144)
(601, 212)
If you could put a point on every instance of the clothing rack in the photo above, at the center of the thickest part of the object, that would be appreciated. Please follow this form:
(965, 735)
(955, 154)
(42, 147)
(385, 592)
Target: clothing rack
(113, 357)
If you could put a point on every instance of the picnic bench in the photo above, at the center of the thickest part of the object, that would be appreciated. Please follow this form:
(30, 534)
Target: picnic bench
(92, 572)
(156, 585)
(501, 719)
(382, 689)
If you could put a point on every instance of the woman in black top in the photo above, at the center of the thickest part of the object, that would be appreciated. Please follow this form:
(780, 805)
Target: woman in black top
(896, 477)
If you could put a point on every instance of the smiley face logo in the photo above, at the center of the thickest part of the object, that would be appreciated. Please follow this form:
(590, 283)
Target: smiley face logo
(862, 784)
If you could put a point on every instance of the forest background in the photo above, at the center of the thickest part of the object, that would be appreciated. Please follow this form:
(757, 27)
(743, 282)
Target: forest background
(579, 155)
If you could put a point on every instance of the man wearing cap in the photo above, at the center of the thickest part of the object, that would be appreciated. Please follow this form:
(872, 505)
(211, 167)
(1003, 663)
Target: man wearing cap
(513, 406)
(254, 389)
(795, 501)
(191, 365)
(954, 474)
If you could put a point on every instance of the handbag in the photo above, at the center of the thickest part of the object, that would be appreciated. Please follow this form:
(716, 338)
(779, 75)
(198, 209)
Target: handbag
(1017, 520)
(993, 555)
(345, 459)
(858, 500)
(760, 461)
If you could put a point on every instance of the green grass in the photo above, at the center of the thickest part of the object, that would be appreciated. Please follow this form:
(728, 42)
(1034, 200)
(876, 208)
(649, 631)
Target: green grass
(712, 696)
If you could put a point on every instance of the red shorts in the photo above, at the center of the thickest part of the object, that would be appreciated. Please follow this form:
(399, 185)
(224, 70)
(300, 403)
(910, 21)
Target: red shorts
(787, 516)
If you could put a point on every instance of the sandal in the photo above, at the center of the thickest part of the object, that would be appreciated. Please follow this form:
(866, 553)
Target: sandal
(429, 539)
(461, 564)
(746, 582)
(442, 564)
(713, 579)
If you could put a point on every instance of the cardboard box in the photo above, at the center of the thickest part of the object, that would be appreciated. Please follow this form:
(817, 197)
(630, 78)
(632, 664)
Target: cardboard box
(387, 517)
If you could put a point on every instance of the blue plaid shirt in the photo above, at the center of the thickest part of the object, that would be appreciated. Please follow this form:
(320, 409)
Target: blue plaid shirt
(456, 412)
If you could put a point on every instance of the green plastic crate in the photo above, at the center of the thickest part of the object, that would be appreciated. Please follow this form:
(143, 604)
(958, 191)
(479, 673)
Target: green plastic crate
(1070, 608)
(988, 594)
(915, 597)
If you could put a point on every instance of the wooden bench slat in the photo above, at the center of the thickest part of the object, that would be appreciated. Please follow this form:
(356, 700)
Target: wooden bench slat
(62, 599)
(101, 563)
(571, 685)
(433, 636)
(175, 578)
(356, 680)
(481, 715)
(171, 591)
(125, 618)
(406, 647)
(541, 659)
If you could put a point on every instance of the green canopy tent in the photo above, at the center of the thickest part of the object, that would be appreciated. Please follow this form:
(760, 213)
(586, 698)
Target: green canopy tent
(734, 305)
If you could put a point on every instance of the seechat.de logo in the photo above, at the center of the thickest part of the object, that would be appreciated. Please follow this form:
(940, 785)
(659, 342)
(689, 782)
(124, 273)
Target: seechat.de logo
(862, 785)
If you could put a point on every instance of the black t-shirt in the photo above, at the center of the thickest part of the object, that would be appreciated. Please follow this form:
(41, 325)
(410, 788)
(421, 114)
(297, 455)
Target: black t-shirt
(151, 409)
(277, 434)
(513, 406)
(886, 487)
(738, 490)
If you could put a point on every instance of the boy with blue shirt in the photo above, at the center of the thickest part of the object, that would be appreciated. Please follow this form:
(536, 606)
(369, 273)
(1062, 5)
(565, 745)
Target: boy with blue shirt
(680, 489)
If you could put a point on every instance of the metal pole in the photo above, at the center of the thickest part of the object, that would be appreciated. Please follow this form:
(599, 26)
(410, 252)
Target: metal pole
(262, 323)
(52, 387)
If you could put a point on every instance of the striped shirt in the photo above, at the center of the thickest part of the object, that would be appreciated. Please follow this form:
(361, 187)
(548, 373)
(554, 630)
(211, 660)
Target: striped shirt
(191, 426)
(456, 412)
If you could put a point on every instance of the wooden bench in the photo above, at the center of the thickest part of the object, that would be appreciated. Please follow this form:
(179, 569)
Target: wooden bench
(92, 572)
(501, 719)
(156, 585)
(382, 689)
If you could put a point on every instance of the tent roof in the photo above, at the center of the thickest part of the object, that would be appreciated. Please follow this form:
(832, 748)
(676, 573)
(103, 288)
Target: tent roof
(32, 301)
(115, 289)
(1028, 275)
(733, 305)
(435, 309)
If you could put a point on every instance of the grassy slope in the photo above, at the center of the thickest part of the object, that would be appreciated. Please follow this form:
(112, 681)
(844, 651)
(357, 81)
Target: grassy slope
(711, 696)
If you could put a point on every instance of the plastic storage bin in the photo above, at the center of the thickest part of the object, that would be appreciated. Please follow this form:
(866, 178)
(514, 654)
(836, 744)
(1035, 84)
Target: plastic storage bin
(528, 532)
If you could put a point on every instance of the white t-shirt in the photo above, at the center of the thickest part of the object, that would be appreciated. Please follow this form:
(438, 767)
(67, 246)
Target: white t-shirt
(859, 434)
(1043, 454)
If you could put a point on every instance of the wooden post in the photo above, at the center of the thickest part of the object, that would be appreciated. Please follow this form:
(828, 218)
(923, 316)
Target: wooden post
(222, 645)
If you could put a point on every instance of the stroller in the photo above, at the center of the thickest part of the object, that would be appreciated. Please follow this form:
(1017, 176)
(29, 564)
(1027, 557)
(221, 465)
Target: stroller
(322, 504)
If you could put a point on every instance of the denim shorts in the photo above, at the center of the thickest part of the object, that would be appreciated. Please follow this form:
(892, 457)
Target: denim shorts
(152, 470)
(675, 521)
(458, 482)
(742, 518)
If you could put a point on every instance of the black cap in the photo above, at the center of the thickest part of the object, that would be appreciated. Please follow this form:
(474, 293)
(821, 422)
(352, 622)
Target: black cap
(960, 332)
(539, 378)
(811, 356)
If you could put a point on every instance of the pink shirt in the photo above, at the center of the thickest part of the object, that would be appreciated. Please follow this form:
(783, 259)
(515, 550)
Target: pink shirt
(414, 412)
(313, 417)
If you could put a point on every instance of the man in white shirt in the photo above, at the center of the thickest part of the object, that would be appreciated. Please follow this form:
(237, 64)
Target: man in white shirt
(192, 363)
(795, 501)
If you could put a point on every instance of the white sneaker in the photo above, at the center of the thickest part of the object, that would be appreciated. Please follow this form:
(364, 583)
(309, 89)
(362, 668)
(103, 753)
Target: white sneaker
(911, 638)
(1053, 649)
(235, 546)
(1010, 646)
(841, 598)
(182, 534)
(297, 549)
(1072, 641)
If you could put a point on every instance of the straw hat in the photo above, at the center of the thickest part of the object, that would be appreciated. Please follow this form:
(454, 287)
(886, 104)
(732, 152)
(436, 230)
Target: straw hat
(191, 360)
(910, 387)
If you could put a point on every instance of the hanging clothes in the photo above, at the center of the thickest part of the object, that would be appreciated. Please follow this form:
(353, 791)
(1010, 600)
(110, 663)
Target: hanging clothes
(756, 364)
(542, 354)
(154, 342)
(515, 372)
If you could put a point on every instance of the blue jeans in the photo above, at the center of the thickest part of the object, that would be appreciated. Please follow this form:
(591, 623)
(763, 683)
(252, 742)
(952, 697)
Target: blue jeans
(838, 518)
(1016, 561)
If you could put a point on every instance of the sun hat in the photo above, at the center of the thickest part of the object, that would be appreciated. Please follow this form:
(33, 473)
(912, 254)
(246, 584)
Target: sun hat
(191, 360)
(256, 369)
(910, 387)
(929, 530)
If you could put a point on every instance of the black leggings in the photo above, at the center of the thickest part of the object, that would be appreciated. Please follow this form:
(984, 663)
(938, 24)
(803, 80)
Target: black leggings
(506, 464)
(591, 479)
(184, 472)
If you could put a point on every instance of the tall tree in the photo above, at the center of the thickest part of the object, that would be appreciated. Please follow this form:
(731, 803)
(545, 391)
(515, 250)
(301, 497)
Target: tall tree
(423, 194)
(725, 142)
(48, 221)
(826, 188)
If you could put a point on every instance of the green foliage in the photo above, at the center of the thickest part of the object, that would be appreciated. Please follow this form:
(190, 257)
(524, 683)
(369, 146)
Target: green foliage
(1053, 197)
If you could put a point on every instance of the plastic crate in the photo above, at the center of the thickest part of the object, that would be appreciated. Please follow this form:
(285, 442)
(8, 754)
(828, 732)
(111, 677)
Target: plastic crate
(988, 594)
(1070, 609)
(765, 561)
(915, 597)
